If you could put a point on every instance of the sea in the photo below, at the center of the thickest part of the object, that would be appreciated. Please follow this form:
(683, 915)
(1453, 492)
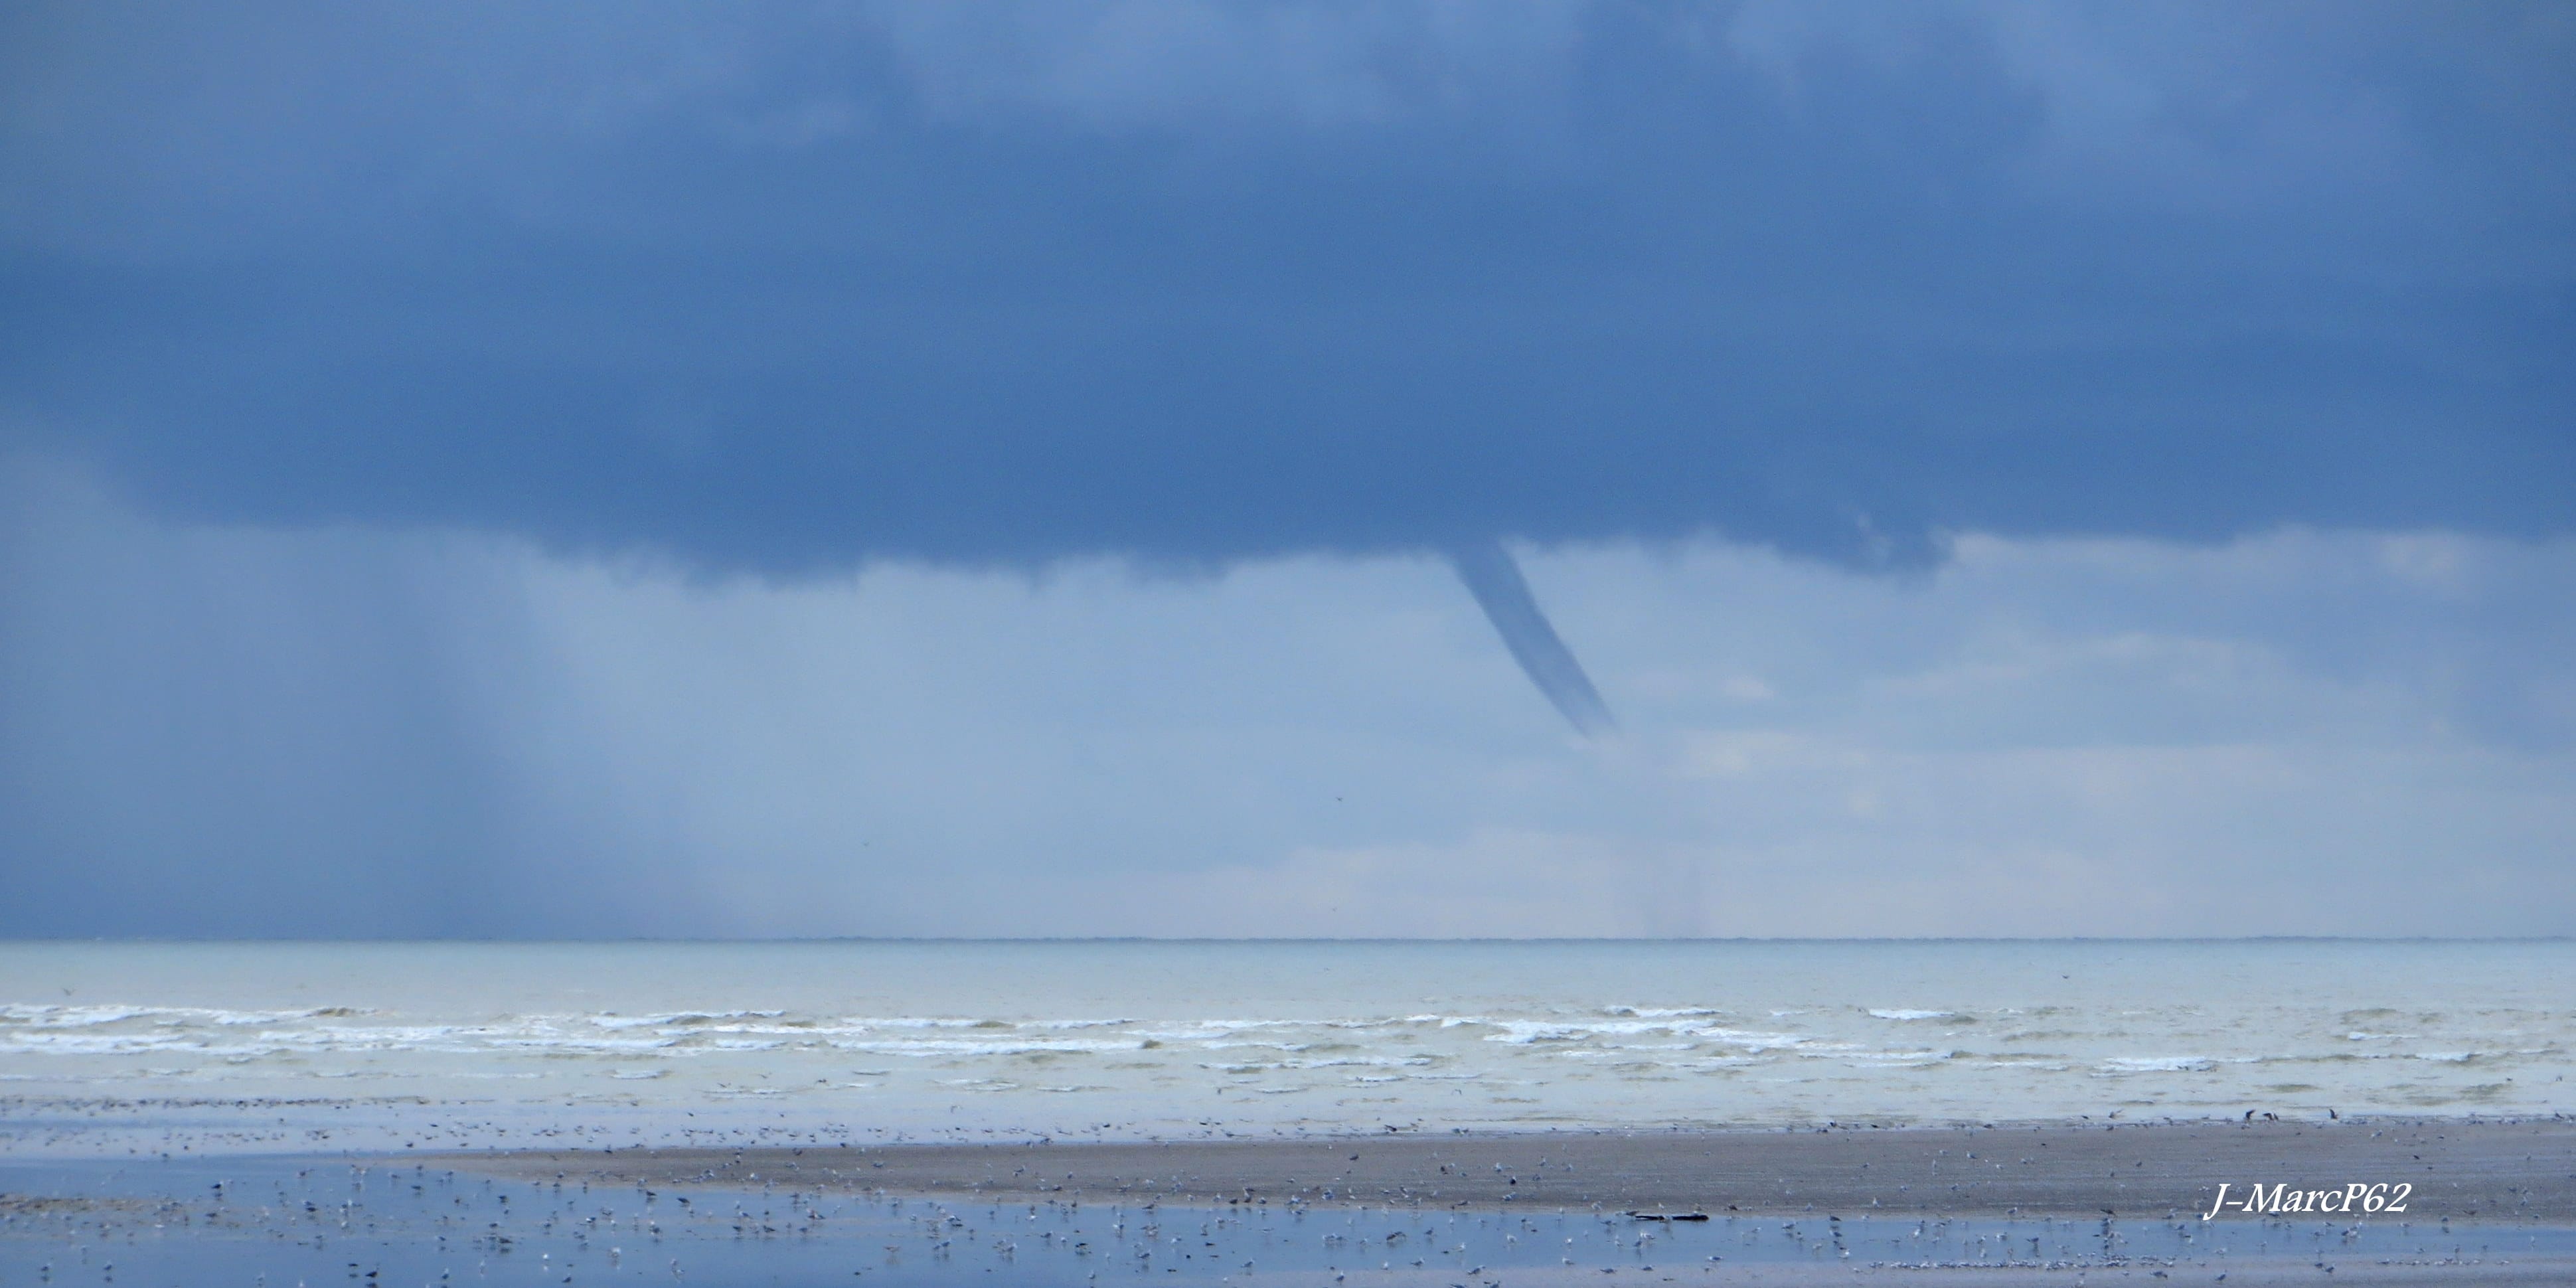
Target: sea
(172, 1050)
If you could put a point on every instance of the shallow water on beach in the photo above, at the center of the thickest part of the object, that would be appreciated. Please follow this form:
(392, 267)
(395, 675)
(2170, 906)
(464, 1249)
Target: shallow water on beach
(307, 1219)
(118, 1048)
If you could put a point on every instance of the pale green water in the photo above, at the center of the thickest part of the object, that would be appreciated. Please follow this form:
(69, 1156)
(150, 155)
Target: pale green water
(111, 1047)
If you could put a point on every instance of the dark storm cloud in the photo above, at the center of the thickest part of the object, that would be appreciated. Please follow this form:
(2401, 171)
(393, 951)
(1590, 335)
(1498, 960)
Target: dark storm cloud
(785, 289)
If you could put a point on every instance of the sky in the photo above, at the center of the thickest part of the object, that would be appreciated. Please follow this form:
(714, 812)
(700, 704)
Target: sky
(1951, 469)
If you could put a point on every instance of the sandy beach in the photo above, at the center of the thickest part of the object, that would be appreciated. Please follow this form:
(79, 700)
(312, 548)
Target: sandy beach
(2489, 1202)
(2236, 1274)
(2483, 1202)
(2461, 1170)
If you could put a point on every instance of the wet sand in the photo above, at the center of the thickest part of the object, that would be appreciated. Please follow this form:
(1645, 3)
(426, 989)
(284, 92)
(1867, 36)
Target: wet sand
(2469, 1171)
(2237, 1273)
(1533, 1211)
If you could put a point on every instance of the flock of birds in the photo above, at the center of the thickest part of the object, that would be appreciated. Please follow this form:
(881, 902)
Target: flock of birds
(376, 1225)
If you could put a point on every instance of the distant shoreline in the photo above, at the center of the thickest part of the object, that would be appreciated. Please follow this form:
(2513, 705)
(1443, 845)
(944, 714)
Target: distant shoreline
(2458, 1169)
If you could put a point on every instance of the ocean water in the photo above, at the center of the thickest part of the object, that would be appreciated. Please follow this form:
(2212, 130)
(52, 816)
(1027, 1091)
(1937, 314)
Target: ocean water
(112, 1049)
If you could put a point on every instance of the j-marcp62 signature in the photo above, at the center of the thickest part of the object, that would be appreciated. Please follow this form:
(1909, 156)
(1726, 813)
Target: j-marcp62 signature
(2356, 1197)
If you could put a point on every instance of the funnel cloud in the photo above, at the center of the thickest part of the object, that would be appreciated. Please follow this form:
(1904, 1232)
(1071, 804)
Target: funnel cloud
(1495, 579)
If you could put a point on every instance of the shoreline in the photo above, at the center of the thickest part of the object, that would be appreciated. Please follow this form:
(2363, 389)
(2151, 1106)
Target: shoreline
(2473, 1170)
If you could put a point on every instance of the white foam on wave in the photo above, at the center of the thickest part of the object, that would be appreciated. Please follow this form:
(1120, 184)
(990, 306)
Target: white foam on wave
(46, 1016)
(919, 1047)
(69, 1016)
(567, 1042)
(1899, 1013)
(1527, 1032)
(1900, 1057)
(2159, 1064)
(1755, 1040)
(78, 1044)
(613, 1021)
